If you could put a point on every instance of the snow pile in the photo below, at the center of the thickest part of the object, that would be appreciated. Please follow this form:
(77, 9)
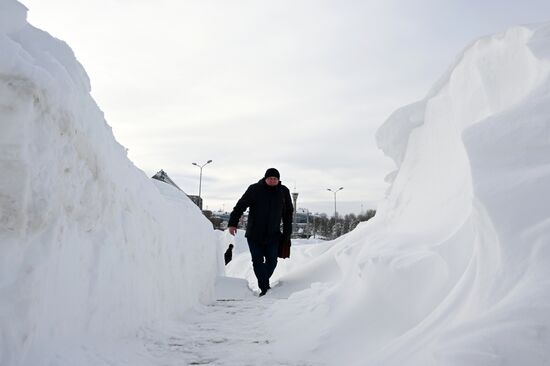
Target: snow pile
(453, 270)
(90, 250)
(308, 263)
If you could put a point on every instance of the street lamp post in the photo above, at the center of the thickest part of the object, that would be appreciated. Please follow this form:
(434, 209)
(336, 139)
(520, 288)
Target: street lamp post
(295, 199)
(200, 178)
(334, 192)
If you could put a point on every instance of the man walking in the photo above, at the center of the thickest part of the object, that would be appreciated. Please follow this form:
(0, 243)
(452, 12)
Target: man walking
(269, 202)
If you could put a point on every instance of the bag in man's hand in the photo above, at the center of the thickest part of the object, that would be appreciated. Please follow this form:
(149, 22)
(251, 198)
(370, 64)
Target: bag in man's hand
(284, 248)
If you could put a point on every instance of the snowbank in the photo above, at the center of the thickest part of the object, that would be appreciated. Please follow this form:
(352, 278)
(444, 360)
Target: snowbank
(453, 270)
(90, 250)
(309, 263)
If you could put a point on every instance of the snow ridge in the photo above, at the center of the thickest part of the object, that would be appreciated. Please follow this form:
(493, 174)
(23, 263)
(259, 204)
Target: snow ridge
(453, 268)
(90, 249)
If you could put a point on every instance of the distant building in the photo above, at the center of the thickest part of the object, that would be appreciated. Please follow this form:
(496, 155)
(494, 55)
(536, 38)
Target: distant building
(163, 177)
(221, 219)
(196, 200)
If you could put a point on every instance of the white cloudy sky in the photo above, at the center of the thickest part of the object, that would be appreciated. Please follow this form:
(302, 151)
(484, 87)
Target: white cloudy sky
(297, 85)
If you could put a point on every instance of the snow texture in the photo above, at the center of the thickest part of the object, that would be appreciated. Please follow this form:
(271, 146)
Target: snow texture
(100, 265)
(229, 331)
(453, 270)
(91, 249)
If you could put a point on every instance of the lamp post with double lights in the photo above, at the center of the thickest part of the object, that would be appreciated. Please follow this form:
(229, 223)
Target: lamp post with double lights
(200, 179)
(334, 191)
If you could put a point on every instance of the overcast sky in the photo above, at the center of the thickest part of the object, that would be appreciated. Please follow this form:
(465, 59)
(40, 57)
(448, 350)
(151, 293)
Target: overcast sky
(297, 85)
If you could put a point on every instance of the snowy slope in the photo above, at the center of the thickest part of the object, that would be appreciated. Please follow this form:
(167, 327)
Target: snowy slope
(90, 250)
(453, 270)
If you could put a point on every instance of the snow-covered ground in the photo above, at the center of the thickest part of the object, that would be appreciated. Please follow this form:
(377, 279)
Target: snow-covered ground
(99, 265)
(231, 331)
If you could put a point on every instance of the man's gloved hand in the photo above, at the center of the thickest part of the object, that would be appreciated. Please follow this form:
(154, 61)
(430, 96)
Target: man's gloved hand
(232, 230)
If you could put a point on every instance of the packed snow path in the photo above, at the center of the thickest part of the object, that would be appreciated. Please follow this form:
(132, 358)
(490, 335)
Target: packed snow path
(230, 331)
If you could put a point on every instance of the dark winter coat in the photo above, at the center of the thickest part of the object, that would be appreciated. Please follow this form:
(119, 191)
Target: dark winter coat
(268, 206)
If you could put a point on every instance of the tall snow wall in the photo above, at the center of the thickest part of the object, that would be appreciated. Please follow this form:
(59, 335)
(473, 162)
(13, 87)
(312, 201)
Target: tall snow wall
(453, 270)
(90, 250)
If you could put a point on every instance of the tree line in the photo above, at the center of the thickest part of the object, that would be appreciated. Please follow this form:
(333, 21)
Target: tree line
(330, 228)
(318, 225)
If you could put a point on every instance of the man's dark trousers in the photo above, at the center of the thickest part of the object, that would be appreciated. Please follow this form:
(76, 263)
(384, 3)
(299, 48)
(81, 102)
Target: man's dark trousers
(263, 270)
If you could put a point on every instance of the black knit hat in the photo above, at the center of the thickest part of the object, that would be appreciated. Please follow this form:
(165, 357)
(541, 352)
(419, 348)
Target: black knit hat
(272, 172)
